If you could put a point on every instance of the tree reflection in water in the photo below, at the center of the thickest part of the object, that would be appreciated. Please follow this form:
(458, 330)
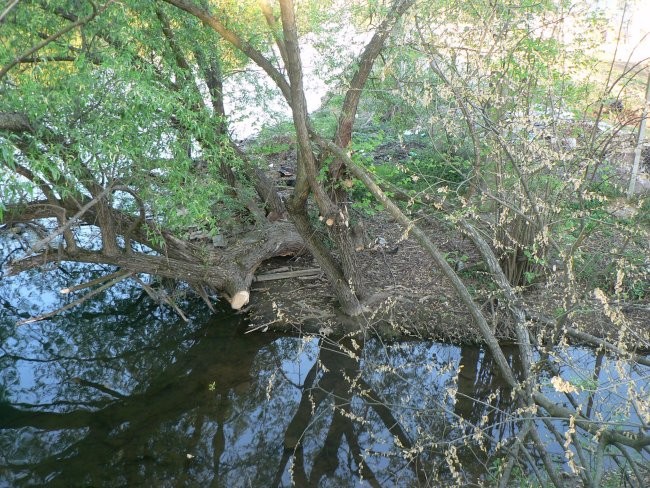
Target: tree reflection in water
(484, 403)
(119, 393)
(335, 388)
(216, 409)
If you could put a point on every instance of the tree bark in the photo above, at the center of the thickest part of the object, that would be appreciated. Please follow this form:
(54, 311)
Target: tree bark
(230, 271)
(332, 215)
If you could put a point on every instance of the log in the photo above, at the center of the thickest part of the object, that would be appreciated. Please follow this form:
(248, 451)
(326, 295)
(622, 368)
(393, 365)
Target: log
(288, 274)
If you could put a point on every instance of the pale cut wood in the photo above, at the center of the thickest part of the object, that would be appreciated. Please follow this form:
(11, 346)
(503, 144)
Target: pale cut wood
(239, 299)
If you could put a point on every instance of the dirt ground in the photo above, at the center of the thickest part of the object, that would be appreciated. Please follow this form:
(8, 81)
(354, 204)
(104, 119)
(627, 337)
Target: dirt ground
(410, 297)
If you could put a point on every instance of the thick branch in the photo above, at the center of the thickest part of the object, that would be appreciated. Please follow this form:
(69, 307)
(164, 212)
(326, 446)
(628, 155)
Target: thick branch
(230, 271)
(307, 172)
(37, 180)
(365, 64)
(434, 252)
(237, 42)
(181, 61)
(49, 59)
(213, 74)
(15, 122)
(631, 439)
(299, 109)
(272, 22)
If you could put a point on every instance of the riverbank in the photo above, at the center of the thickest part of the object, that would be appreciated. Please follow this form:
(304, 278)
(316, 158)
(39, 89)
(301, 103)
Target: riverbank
(409, 298)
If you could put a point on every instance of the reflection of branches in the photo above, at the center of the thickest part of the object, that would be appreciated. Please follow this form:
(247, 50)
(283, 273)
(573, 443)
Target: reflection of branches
(335, 376)
(58, 358)
(326, 461)
(382, 409)
(117, 424)
(98, 387)
(95, 404)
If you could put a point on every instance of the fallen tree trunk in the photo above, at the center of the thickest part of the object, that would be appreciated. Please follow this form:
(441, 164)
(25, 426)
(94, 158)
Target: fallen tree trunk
(229, 271)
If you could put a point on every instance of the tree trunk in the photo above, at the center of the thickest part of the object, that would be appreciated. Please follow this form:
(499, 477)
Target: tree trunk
(342, 280)
(230, 270)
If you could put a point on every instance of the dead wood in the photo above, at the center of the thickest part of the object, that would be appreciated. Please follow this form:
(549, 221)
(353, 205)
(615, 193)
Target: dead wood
(284, 275)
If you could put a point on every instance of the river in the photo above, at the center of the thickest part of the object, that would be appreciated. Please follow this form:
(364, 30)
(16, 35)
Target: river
(120, 392)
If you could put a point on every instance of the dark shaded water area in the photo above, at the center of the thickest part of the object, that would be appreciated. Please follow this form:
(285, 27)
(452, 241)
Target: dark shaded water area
(120, 392)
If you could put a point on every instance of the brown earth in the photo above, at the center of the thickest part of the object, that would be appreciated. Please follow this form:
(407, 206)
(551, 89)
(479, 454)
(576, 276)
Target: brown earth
(408, 297)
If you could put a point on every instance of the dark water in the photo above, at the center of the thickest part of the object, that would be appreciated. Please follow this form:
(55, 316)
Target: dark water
(120, 392)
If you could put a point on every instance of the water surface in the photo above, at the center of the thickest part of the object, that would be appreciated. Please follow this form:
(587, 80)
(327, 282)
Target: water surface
(120, 392)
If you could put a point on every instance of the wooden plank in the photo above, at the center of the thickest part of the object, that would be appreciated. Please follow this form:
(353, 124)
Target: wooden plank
(314, 272)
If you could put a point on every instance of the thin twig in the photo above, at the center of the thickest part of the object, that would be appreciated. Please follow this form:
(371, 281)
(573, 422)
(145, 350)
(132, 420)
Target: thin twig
(94, 282)
(200, 291)
(543, 453)
(76, 302)
(606, 345)
(533, 465)
(8, 9)
(589, 338)
(512, 457)
(161, 297)
(27, 54)
(631, 462)
(37, 246)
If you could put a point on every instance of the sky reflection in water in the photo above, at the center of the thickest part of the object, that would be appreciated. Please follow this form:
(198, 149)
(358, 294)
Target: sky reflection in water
(120, 392)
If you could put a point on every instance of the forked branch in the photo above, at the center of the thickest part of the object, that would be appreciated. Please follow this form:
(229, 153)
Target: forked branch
(48, 40)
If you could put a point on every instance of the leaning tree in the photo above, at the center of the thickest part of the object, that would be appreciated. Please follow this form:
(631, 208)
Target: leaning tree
(116, 151)
(120, 137)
